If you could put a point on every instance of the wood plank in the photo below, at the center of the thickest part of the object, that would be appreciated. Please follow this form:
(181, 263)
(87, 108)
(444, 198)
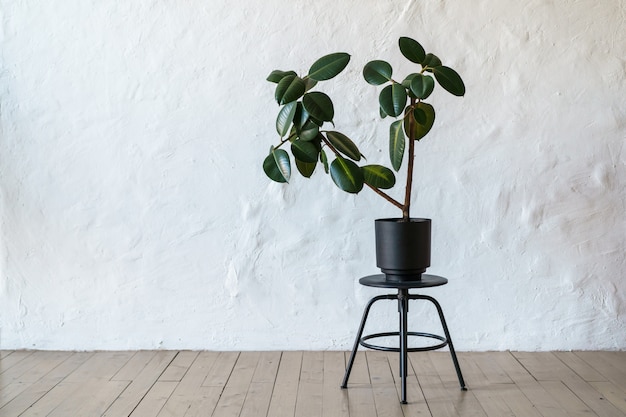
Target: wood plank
(360, 395)
(100, 365)
(593, 399)
(533, 390)
(31, 370)
(234, 394)
(13, 359)
(52, 399)
(5, 353)
(465, 402)
(14, 401)
(567, 400)
(90, 398)
(435, 392)
(283, 401)
(155, 399)
(335, 402)
(545, 366)
(189, 396)
(134, 365)
(582, 368)
(257, 400)
(221, 370)
(608, 364)
(386, 397)
(310, 390)
(488, 363)
(141, 383)
(179, 366)
(612, 393)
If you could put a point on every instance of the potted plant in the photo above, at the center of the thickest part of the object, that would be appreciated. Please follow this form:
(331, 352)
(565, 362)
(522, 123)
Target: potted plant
(402, 244)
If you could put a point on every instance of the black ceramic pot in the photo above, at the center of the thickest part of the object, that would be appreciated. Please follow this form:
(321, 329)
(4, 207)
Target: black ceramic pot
(403, 248)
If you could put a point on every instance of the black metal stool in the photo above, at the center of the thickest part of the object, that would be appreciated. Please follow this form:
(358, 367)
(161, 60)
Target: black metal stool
(403, 298)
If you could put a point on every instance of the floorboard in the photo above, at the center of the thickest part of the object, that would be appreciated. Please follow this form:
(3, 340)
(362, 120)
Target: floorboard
(307, 384)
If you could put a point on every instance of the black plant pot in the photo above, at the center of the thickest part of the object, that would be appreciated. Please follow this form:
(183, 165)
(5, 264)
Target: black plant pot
(403, 248)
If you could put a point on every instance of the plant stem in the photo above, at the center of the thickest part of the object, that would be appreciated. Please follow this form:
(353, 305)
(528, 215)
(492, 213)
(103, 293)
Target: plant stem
(386, 196)
(406, 208)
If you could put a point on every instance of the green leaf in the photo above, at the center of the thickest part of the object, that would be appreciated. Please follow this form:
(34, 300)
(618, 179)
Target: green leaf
(329, 66)
(346, 175)
(396, 144)
(431, 61)
(449, 80)
(377, 72)
(378, 176)
(422, 86)
(304, 151)
(419, 129)
(382, 112)
(420, 116)
(344, 145)
(289, 89)
(309, 83)
(309, 131)
(285, 118)
(324, 160)
(319, 106)
(412, 50)
(306, 168)
(392, 99)
(277, 165)
(277, 75)
(406, 83)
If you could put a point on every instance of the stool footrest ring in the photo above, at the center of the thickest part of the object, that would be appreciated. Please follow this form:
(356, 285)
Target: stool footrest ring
(362, 342)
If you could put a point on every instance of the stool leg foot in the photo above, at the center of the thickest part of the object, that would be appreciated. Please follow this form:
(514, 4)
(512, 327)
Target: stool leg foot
(357, 340)
(403, 306)
(455, 361)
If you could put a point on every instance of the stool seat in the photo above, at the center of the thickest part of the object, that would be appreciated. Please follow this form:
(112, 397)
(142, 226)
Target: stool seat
(402, 298)
(380, 281)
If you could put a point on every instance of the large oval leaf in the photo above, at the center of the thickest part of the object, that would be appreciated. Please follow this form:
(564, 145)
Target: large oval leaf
(304, 151)
(378, 176)
(344, 145)
(377, 72)
(392, 99)
(289, 89)
(329, 66)
(285, 118)
(309, 131)
(305, 168)
(319, 106)
(420, 129)
(412, 50)
(324, 160)
(449, 80)
(346, 175)
(431, 61)
(277, 75)
(422, 86)
(277, 165)
(396, 144)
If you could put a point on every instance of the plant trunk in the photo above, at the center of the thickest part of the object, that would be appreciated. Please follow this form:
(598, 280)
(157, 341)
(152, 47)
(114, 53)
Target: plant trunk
(406, 209)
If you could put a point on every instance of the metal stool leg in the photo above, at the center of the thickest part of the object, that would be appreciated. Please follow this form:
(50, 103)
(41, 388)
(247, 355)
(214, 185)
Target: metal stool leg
(447, 333)
(403, 307)
(344, 384)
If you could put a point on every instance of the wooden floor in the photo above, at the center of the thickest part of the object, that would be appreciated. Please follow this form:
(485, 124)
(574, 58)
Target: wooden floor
(276, 384)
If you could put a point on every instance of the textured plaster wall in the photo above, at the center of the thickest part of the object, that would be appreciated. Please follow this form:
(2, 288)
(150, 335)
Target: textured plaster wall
(134, 212)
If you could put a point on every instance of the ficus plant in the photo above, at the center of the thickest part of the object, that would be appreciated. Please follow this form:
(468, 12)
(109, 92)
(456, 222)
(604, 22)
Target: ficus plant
(304, 113)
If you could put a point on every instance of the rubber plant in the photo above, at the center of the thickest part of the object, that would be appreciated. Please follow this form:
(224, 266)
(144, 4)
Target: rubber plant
(304, 113)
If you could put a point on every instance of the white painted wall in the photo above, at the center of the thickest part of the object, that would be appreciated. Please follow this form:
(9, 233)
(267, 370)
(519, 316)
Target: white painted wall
(135, 214)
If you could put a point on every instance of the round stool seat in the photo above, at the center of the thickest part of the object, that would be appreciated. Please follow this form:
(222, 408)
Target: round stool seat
(380, 281)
